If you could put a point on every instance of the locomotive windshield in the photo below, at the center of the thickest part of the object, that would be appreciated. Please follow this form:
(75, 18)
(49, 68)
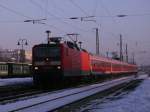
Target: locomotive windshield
(44, 52)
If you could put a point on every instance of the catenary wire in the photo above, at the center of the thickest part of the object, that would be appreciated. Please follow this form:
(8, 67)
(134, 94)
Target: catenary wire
(81, 9)
(59, 18)
(13, 11)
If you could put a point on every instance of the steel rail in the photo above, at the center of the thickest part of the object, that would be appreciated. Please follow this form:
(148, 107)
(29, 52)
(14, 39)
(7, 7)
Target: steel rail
(84, 90)
(90, 107)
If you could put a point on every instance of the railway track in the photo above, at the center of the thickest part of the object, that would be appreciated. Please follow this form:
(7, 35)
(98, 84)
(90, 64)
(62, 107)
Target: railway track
(20, 96)
(12, 93)
(54, 100)
(21, 92)
(112, 94)
(12, 90)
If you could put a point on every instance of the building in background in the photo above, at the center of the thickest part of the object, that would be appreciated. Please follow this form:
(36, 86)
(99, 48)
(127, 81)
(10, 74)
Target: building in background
(16, 55)
(28, 56)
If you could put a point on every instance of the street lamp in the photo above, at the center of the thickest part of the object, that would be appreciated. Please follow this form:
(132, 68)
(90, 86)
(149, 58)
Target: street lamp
(22, 42)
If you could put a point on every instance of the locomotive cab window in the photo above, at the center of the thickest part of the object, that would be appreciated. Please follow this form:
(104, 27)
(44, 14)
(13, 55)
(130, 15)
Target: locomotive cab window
(52, 52)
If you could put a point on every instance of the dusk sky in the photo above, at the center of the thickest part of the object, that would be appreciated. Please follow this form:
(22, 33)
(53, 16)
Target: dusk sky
(135, 27)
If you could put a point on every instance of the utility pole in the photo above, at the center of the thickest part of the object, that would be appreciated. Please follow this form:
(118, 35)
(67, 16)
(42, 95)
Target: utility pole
(126, 52)
(121, 55)
(133, 58)
(97, 41)
(107, 54)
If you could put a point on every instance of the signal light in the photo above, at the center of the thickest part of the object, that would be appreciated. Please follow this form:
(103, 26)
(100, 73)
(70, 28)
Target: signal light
(58, 67)
(36, 68)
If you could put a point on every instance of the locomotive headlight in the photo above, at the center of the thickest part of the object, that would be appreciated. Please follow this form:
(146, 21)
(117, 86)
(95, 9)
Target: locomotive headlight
(36, 68)
(58, 67)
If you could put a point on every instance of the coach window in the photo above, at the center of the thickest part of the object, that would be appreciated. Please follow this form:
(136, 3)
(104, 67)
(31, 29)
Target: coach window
(2, 67)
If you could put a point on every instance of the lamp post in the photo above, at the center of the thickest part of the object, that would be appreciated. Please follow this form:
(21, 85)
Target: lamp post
(22, 42)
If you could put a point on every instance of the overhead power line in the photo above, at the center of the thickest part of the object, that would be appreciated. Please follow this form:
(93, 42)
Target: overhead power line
(21, 14)
(46, 7)
(83, 11)
(58, 18)
(126, 15)
(95, 7)
(36, 21)
(76, 5)
(54, 5)
(13, 11)
(109, 14)
(55, 27)
(11, 21)
(47, 12)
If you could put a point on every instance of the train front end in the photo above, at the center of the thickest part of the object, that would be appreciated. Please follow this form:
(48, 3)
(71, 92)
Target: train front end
(46, 63)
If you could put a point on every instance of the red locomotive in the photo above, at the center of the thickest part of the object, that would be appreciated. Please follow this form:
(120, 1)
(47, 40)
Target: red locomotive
(58, 61)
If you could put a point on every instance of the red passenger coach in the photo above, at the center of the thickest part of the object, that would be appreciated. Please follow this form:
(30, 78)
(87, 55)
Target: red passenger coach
(101, 65)
(64, 61)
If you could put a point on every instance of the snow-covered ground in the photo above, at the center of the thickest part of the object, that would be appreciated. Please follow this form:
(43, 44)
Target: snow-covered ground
(15, 81)
(143, 76)
(135, 99)
(54, 100)
(58, 99)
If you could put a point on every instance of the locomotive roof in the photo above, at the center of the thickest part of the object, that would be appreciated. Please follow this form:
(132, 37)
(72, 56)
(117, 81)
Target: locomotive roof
(68, 43)
(45, 45)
